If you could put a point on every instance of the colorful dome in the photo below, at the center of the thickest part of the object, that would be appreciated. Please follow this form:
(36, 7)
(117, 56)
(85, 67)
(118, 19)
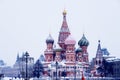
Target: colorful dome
(49, 39)
(78, 50)
(83, 41)
(70, 40)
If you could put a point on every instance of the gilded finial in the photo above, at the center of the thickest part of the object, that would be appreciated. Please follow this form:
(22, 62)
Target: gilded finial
(64, 12)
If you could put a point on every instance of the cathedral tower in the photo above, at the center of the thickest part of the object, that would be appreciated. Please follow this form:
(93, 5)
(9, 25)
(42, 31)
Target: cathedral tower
(64, 31)
(83, 43)
(70, 49)
(49, 51)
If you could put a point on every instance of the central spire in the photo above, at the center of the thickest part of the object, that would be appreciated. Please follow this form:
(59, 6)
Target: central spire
(64, 15)
(64, 27)
(64, 31)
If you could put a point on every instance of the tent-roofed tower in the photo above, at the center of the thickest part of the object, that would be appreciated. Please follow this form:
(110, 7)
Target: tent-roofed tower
(99, 54)
(64, 31)
(99, 51)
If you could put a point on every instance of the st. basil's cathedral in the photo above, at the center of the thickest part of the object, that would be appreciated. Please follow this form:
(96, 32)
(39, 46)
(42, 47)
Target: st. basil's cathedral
(64, 56)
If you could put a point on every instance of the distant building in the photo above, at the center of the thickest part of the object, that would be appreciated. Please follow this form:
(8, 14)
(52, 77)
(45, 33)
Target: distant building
(19, 68)
(115, 67)
(100, 66)
(20, 65)
(7, 71)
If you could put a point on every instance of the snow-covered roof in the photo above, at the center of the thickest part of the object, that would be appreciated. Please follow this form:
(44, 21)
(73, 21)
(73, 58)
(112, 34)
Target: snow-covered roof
(70, 40)
(113, 59)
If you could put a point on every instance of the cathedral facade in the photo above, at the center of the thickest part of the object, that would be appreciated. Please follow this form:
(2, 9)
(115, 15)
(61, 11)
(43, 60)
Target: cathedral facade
(64, 59)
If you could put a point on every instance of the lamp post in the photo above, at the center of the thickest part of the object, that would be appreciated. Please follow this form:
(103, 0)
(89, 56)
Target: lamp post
(64, 74)
(26, 55)
(75, 73)
(22, 71)
(56, 68)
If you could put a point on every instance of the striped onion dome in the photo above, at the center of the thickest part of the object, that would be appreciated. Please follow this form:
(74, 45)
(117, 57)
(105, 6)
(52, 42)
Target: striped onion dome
(83, 41)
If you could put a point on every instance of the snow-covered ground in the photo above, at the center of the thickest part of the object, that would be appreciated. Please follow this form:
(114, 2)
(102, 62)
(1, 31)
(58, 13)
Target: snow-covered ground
(10, 78)
(47, 78)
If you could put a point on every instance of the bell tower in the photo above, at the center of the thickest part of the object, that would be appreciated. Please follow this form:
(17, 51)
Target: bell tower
(99, 55)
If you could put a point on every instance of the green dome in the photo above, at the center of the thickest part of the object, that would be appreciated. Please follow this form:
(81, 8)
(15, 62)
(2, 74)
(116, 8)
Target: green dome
(78, 50)
(83, 41)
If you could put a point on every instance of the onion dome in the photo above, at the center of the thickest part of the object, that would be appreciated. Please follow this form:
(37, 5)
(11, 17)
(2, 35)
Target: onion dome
(78, 50)
(49, 39)
(70, 40)
(58, 49)
(83, 41)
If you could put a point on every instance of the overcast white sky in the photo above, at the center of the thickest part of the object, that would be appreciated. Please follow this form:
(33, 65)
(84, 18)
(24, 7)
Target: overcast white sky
(25, 25)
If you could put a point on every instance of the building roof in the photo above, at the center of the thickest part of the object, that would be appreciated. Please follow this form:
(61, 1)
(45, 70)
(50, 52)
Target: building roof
(99, 53)
(64, 27)
(70, 40)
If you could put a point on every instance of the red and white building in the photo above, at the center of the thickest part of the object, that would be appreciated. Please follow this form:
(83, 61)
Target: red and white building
(72, 61)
